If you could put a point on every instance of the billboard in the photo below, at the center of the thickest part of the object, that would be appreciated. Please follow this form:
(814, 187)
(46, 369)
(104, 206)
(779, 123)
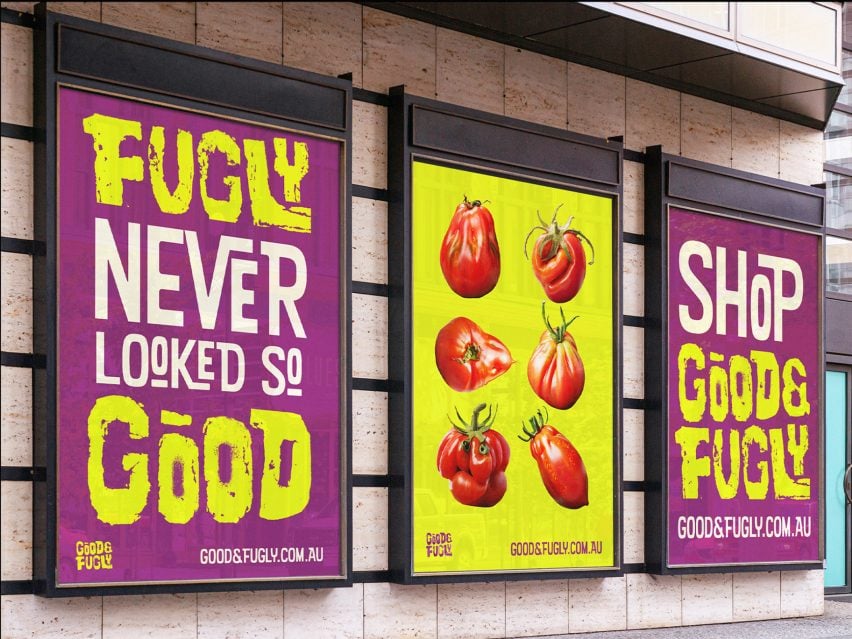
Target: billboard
(200, 389)
(513, 316)
(743, 371)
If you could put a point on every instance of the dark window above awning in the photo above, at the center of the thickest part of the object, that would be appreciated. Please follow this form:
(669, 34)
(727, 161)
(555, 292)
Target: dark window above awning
(623, 41)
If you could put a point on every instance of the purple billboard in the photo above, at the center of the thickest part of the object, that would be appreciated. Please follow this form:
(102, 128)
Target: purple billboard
(200, 424)
(744, 366)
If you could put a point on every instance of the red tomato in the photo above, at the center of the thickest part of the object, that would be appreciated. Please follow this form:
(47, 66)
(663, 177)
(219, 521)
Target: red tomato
(559, 464)
(474, 458)
(470, 255)
(555, 370)
(559, 259)
(467, 357)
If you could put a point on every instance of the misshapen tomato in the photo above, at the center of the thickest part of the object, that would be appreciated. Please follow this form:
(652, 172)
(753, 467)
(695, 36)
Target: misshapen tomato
(467, 357)
(555, 370)
(559, 464)
(470, 255)
(559, 259)
(473, 457)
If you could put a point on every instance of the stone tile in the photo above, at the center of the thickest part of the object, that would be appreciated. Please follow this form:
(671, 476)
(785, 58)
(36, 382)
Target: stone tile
(40, 618)
(87, 10)
(756, 143)
(802, 593)
(172, 20)
(135, 616)
(536, 89)
(634, 527)
(21, 7)
(653, 601)
(252, 29)
(16, 294)
(16, 69)
(369, 336)
(261, 614)
(369, 145)
(324, 37)
(369, 433)
(802, 154)
(369, 528)
(634, 444)
(757, 595)
(16, 186)
(16, 547)
(470, 71)
(536, 608)
(369, 241)
(17, 416)
(391, 610)
(633, 371)
(707, 599)
(456, 601)
(398, 51)
(595, 101)
(653, 117)
(705, 130)
(339, 612)
(634, 198)
(597, 604)
(633, 284)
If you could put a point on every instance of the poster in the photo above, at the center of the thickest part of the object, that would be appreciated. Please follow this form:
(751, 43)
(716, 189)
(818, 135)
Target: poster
(513, 461)
(199, 426)
(743, 400)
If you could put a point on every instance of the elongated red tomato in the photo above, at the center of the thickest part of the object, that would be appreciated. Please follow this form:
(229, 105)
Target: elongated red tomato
(559, 259)
(473, 457)
(559, 463)
(470, 255)
(467, 357)
(555, 370)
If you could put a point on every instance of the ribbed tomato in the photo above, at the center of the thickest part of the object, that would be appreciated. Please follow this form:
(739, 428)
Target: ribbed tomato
(470, 255)
(467, 357)
(555, 370)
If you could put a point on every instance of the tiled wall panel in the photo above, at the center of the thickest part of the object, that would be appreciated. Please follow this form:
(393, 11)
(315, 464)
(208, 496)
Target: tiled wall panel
(16, 188)
(16, 69)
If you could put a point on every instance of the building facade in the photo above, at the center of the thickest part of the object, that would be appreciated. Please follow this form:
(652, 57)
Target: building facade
(380, 50)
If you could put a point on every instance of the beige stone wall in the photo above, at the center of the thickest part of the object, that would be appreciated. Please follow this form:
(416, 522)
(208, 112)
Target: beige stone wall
(383, 50)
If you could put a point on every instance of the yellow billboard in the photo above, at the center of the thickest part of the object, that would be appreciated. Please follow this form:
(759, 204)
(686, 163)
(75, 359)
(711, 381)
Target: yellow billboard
(513, 385)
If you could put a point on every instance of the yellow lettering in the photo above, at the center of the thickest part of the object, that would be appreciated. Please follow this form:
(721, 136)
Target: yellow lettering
(227, 210)
(177, 201)
(755, 489)
(718, 389)
(727, 487)
(110, 168)
(768, 394)
(741, 388)
(265, 210)
(803, 407)
(692, 409)
(178, 458)
(786, 487)
(117, 505)
(228, 501)
(277, 501)
(692, 466)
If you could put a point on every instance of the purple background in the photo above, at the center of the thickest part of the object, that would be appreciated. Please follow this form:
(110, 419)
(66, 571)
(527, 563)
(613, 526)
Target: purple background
(152, 550)
(800, 339)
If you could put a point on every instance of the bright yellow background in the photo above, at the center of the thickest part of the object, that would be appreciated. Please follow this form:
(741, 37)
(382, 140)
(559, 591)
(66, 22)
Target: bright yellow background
(512, 313)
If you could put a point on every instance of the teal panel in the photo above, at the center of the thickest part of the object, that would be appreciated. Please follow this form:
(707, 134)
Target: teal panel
(836, 432)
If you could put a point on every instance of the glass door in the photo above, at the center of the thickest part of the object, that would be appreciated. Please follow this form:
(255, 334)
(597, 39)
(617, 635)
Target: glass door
(838, 480)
